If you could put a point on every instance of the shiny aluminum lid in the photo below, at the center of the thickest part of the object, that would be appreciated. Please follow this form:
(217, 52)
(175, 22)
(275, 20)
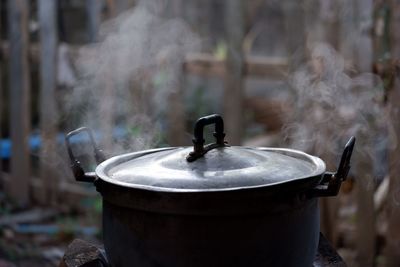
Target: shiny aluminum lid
(214, 167)
(218, 169)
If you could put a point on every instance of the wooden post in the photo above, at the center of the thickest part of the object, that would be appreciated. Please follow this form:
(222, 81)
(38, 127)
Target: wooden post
(48, 113)
(176, 113)
(110, 8)
(106, 88)
(93, 9)
(363, 58)
(1, 94)
(296, 35)
(320, 21)
(175, 109)
(233, 91)
(347, 28)
(393, 231)
(365, 220)
(19, 86)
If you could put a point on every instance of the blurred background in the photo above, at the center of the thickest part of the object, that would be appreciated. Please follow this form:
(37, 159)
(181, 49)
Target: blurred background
(301, 74)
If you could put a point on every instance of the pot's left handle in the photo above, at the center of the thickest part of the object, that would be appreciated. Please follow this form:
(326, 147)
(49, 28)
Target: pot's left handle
(79, 173)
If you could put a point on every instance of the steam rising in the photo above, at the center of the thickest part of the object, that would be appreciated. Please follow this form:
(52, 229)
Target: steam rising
(128, 75)
(330, 105)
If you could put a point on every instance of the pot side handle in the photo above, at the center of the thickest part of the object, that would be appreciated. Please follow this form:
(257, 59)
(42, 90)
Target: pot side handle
(79, 173)
(331, 182)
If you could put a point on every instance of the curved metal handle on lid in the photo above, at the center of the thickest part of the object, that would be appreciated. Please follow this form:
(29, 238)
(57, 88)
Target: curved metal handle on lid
(79, 173)
(198, 140)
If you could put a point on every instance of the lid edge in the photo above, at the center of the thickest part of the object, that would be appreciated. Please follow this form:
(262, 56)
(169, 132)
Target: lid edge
(105, 165)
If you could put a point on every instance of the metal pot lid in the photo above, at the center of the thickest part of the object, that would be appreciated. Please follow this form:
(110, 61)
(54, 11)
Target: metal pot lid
(215, 167)
(222, 168)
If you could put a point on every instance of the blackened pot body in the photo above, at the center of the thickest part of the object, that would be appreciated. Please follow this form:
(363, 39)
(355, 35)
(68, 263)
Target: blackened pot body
(286, 237)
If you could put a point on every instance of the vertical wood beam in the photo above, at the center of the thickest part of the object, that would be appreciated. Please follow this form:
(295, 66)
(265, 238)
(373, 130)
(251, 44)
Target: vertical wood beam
(19, 86)
(176, 113)
(393, 232)
(365, 220)
(93, 9)
(48, 84)
(347, 28)
(176, 110)
(1, 92)
(363, 58)
(295, 27)
(233, 91)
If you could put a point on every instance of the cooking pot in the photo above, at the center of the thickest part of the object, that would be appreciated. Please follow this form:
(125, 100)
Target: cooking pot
(211, 205)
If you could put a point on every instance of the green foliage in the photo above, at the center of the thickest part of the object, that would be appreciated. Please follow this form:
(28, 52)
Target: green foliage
(220, 50)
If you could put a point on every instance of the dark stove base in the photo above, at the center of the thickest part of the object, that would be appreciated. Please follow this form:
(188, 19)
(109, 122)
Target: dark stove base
(83, 254)
(327, 255)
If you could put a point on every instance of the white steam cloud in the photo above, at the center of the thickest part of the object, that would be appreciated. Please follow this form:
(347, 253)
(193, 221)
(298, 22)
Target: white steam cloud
(330, 105)
(128, 75)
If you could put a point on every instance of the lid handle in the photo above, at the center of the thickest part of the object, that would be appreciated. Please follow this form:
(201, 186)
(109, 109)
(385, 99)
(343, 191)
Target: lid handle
(79, 173)
(198, 140)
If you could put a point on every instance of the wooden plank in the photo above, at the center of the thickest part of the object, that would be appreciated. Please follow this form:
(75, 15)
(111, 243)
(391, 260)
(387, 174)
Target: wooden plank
(233, 91)
(35, 215)
(267, 67)
(392, 254)
(204, 64)
(48, 111)
(33, 50)
(72, 192)
(257, 66)
(19, 86)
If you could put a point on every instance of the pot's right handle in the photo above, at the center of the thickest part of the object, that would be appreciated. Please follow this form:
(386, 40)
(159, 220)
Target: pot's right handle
(331, 182)
(79, 173)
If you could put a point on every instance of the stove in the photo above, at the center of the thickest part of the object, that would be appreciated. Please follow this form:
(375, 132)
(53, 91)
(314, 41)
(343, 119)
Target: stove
(81, 253)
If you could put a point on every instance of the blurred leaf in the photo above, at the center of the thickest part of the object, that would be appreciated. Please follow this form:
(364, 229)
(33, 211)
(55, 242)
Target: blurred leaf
(135, 131)
(98, 205)
(221, 50)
